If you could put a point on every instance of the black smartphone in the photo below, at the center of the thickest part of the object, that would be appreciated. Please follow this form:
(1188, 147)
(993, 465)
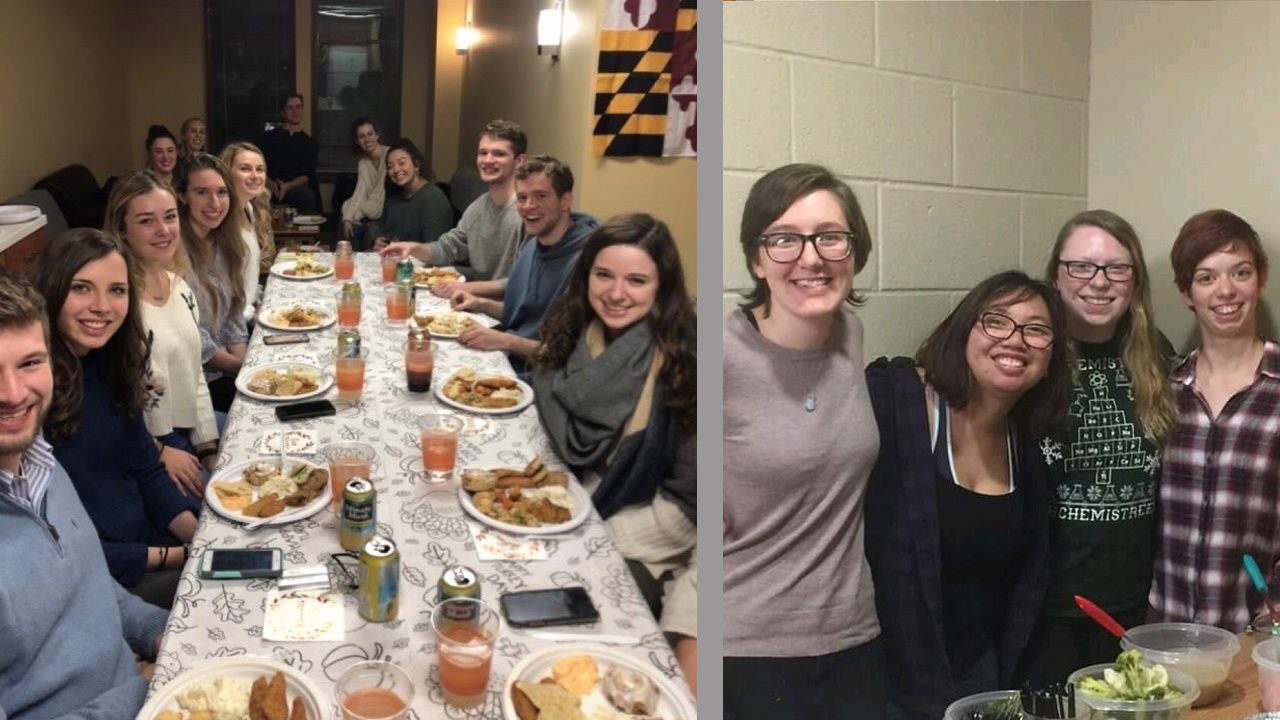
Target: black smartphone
(559, 606)
(304, 410)
(285, 339)
(238, 564)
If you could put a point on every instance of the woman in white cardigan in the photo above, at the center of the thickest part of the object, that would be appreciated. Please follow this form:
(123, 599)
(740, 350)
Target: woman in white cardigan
(249, 172)
(142, 213)
(365, 204)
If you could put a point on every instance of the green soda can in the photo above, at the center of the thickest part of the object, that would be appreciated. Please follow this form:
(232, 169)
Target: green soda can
(404, 270)
(359, 514)
(379, 580)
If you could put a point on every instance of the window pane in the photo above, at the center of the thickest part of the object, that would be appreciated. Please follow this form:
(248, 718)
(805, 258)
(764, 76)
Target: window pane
(356, 73)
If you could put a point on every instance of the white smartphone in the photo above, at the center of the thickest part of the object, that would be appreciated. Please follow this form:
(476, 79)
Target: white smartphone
(238, 564)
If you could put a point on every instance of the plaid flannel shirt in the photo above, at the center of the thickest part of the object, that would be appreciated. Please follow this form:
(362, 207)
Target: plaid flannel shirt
(1219, 499)
(903, 548)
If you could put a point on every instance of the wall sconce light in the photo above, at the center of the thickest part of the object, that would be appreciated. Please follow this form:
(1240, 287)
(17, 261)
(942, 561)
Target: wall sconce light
(551, 29)
(462, 38)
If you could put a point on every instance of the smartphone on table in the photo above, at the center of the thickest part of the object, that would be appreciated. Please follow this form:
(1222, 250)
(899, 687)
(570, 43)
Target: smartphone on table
(285, 339)
(237, 564)
(540, 608)
(304, 410)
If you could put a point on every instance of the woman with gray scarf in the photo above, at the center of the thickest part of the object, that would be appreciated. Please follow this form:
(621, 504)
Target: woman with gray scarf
(615, 382)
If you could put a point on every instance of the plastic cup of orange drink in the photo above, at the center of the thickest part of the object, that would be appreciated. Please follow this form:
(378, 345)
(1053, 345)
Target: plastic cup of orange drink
(349, 373)
(348, 311)
(374, 690)
(389, 268)
(348, 460)
(440, 446)
(397, 297)
(465, 630)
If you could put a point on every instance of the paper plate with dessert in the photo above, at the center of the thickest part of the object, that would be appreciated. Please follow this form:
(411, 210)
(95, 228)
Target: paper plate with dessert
(240, 687)
(484, 393)
(582, 680)
(259, 491)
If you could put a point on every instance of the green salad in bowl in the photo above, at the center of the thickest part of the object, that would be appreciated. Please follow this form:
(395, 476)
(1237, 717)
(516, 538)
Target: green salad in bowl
(1131, 689)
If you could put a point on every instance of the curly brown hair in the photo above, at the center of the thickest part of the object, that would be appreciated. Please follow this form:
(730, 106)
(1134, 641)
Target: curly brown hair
(672, 320)
(126, 352)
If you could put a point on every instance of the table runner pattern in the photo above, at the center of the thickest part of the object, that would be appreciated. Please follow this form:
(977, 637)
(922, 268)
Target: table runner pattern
(215, 619)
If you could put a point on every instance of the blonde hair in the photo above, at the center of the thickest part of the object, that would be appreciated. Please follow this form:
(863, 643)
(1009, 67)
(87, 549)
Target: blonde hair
(225, 238)
(1137, 329)
(260, 218)
(123, 192)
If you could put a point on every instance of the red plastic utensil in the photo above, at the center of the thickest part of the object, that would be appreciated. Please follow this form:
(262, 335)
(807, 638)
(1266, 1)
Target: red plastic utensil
(1100, 616)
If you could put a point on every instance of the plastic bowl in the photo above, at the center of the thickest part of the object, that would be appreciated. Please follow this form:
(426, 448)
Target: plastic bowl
(1107, 709)
(1202, 651)
(1266, 655)
(961, 708)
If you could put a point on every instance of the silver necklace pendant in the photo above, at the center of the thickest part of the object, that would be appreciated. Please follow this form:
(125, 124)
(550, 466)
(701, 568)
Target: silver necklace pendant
(809, 403)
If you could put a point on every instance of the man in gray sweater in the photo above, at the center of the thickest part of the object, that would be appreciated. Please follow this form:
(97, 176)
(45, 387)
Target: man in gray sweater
(488, 236)
(68, 631)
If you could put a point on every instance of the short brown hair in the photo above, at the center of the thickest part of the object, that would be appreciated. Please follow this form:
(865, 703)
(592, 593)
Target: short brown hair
(558, 173)
(1209, 232)
(509, 131)
(1042, 409)
(774, 193)
(21, 304)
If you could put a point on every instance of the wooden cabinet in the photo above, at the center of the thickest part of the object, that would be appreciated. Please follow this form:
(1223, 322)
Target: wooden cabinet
(21, 256)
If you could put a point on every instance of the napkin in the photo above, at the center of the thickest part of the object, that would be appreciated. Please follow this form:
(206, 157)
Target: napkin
(298, 442)
(493, 545)
(303, 616)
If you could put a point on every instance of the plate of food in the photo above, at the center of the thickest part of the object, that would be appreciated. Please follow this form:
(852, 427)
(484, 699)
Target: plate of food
(283, 381)
(446, 324)
(238, 687)
(301, 269)
(533, 500)
(485, 393)
(308, 219)
(597, 682)
(253, 491)
(425, 277)
(296, 316)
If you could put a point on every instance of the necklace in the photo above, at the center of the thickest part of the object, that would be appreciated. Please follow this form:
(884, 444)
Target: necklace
(810, 400)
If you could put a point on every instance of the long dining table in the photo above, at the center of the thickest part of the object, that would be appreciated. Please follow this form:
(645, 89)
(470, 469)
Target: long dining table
(214, 619)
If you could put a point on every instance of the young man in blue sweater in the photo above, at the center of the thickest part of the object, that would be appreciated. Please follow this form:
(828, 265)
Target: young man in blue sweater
(68, 631)
(544, 199)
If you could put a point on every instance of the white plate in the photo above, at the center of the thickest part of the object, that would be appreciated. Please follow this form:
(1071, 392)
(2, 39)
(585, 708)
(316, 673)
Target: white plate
(447, 268)
(279, 268)
(246, 374)
(285, 516)
(247, 668)
(673, 701)
(265, 317)
(478, 319)
(526, 398)
(12, 214)
(581, 509)
(308, 220)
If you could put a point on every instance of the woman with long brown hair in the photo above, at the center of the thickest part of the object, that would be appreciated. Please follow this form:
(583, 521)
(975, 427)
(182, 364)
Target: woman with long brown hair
(1103, 472)
(616, 387)
(95, 422)
(211, 216)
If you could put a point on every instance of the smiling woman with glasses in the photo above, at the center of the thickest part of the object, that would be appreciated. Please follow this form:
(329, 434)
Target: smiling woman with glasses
(1103, 472)
(799, 443)
(959, 482)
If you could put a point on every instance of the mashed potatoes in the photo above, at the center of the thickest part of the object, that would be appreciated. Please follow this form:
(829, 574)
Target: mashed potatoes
(278, 484)
(553, 494)
(226, 698)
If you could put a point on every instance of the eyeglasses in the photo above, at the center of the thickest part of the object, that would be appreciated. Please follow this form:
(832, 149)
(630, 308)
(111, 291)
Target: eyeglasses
(787, 247)
(999, 326)
(1081, 270)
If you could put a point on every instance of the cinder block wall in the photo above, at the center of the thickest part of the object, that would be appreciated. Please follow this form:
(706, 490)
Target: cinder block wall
(961, 127)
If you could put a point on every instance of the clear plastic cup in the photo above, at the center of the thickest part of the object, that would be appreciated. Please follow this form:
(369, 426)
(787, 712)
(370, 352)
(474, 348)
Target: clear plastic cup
(465, 630)
(348, 460)
(440, 446)
(374, 690)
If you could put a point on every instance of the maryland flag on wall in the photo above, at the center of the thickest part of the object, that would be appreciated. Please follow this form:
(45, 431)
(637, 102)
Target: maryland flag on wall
(647, 81)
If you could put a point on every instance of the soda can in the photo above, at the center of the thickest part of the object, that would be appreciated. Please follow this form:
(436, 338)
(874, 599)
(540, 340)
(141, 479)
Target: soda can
(459, 581)
(379, 580)
(359, 519)
(404, 270)
(351, 290)
(348, 343)
(343, 248)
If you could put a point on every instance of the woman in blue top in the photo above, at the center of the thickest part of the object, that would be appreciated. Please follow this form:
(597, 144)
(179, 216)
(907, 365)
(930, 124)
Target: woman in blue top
(95, 422)
(957, 524)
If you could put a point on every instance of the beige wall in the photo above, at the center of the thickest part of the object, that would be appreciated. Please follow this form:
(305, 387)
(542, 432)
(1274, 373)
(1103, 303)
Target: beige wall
(504, 78)
(165, 63)
(1182, 117)
(961, 127)
(63, 91)
(450, 67)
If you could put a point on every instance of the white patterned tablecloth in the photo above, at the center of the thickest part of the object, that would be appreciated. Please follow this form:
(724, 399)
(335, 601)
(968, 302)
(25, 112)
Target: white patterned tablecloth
(215, 619)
